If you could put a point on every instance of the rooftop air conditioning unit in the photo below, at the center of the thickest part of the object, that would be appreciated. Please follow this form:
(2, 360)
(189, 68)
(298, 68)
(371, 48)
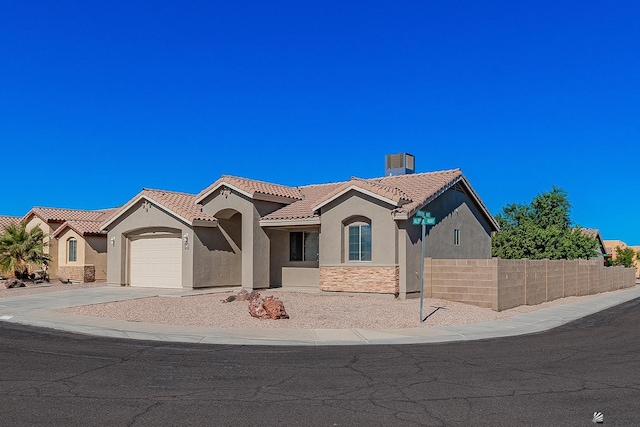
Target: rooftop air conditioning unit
(399, 164)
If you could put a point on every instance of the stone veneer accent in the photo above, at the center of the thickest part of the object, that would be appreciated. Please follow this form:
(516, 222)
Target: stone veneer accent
(380, 280)
(81, 273)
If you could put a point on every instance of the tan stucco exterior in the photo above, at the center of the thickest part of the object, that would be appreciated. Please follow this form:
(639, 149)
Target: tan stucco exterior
(91, 252)
(50, 245)
(255, 244)
(239, 247)
(144, 220)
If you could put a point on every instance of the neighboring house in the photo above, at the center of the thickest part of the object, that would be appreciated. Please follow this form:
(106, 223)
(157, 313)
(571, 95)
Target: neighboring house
(73, 240)
(611, 246)
(601, 249)
(7, 220)
(353, 236)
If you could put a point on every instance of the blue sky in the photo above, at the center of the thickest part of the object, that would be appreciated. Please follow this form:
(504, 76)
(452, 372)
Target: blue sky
(101, 99)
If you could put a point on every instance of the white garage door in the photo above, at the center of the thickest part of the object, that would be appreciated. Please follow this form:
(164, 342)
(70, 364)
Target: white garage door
(156, 262)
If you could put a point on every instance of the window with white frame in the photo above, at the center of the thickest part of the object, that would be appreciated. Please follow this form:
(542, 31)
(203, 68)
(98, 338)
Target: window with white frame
(456, 237)
(72, 250)
(360, 242)
(303, 246)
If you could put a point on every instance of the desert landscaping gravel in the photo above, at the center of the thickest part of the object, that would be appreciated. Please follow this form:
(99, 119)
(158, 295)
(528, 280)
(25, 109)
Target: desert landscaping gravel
(307, 310)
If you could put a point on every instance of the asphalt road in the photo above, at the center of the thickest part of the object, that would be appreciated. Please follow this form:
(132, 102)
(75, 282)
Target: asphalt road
(555, 378)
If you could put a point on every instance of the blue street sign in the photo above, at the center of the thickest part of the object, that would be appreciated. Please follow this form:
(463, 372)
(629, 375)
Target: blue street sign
(423, 214)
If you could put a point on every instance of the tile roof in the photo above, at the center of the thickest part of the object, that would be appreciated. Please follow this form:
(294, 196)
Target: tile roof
(591, 232)
(410, 192)
(181, 204)
(62, 215)
(252, 187)
(6, 220)
(312, 195)
(421, 187)
(83, 228)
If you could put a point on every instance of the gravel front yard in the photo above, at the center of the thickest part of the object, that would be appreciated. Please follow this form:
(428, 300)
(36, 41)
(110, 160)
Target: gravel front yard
(306, 310)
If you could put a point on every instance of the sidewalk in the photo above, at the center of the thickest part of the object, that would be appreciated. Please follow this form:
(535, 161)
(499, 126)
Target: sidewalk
(36, 310)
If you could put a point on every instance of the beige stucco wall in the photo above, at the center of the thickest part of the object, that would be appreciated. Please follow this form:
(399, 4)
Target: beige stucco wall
(139, 221)
(61, 242)
(50, 246)
(217, 254)
(334, 251)
(284, 272)
(95, 252)
(452, 210)
(336, 271)
(254, 240)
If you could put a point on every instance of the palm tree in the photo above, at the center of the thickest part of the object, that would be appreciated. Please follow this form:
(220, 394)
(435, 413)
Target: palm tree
(20, 247)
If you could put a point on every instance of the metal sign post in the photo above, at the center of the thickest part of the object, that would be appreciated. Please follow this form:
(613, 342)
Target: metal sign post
(423, 218)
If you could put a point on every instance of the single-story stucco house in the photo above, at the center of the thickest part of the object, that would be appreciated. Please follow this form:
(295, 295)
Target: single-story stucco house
(73, 239)
(354, 236)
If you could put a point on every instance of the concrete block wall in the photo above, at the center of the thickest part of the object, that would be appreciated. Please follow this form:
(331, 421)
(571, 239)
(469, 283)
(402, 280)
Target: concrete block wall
(570, 278)
(511, 283)
(555, 280)
(584, 274)
(536, 282)
(382, 280)
(502, 284)
(471, 281)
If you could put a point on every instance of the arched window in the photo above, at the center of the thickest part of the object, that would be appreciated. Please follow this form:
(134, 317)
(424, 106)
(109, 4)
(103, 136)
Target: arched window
(358, 231)
(72, 250)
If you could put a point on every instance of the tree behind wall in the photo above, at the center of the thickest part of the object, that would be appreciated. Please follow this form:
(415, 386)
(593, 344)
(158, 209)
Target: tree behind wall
(624, 256)
(541, 229)
(20, 248)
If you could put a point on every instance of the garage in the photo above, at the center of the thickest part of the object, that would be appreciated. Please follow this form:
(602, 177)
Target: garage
(156, 261)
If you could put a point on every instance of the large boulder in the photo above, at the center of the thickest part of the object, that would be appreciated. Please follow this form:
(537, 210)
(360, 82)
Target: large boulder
(266, 308)
(255, 307)
(274, 308)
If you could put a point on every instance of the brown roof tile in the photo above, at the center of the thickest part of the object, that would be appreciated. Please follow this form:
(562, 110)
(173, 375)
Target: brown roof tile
(372, 186)
(62, 215)
(252, 187)
(84, 228)
(312, 194)
(181, 204)
(411, 192)
(421, 187)
(6, 220)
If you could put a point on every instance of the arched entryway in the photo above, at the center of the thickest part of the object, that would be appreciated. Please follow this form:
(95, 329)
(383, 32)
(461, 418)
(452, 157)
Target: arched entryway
(227, 258)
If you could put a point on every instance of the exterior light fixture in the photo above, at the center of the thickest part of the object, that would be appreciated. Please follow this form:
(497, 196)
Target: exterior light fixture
(185, 239)
(113, 242)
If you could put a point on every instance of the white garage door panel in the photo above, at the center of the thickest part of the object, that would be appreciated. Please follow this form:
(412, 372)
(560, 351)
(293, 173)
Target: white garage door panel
(156, 262)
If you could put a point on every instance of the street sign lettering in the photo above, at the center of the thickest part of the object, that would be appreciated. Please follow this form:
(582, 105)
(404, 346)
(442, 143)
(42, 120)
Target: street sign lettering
(423, 221)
